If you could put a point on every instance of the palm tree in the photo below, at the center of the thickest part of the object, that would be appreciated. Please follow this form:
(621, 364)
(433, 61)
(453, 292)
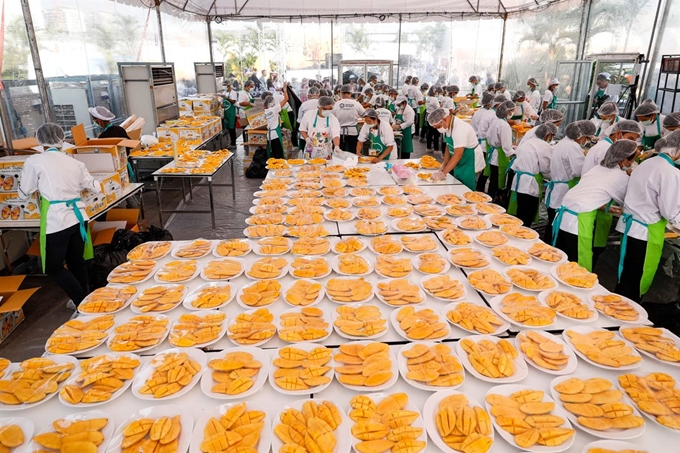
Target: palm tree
(359, 40)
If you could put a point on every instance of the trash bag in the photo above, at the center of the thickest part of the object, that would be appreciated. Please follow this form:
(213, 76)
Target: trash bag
(258, 167)
(155, 234)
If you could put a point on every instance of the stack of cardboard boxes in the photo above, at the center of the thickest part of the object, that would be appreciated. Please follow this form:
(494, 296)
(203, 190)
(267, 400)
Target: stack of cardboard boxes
(257, 129)
(191, 128)
(201, 105)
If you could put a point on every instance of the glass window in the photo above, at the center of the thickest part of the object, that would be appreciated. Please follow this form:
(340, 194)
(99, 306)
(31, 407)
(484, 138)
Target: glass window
(667, 44)
(367, 41)
(620, 26)
(480, 59)
(308, 53)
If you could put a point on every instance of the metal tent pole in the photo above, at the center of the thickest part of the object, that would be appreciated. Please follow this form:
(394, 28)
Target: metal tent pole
(212, 58)
(35, 54)
(652, 56)
(500, 61)
(583, 32)
(396, 81)
(160, 29)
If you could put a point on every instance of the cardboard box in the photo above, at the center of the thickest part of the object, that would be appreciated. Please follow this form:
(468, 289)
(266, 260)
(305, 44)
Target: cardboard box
(116, 147)
(185, 105)
(11, 168)
(26, 144)
(111, 185)
(11, 306)
(124, 176)
(129, 216)
(255, 117)
(12, 208)
(94, 202)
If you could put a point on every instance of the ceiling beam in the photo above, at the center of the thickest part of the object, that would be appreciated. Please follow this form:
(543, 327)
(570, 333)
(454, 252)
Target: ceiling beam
(243, 6)
(473, 8)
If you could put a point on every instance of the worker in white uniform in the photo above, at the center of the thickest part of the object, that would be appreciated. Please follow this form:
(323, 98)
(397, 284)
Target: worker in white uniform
(366, 97)
(245, 99)
(624, 129)
(604, 92)
(500, 89)
(480, 124)
(651, 121)
(534, 96)
(566, 166)
(671, 123)
(417, 101)
(607, 116)
(475, 90)
(403, 119)
(321, 130)
(431, 104)
(581, 227)
(372, 81)
(448, 101)
(379, 93)
(532, 168)
(348, 111)
(651, 203)
(406, 87)
(549, 98)
(546, 116)
(499, 137)
(272, 113)
(464, 158)
(64, 237)
(523, 110)
(385, 115)
(380, 138)
(310, 104)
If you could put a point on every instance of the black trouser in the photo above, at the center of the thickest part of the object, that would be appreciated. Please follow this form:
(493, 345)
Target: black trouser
(633, 267)
(276, 149)
(568, 243)
(294, 125)
(232, 136)
(493, 181)
(527, 207)
(349, 143)
(417, 123)
(67, 246)
(432, 135)
(547, 237)
(481, 182)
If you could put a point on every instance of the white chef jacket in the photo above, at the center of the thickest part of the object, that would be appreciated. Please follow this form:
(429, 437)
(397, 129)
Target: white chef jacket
(528, 110)
(507, 95)
(651, 130)
(278, 98)
(431, 104)
(409, 117)
(273, 120)
(386, 135)
(415, 96)
(596, 188)
(595, 155)
(652, 194)
(307, 124)
(307, 106)
(476, 119)
(348, 111)
(604, 129)
(485, 121)
(366, 87)
(534, 98)
(463, 136)
(57, 176)
(243, 96)
(548, 97)
(565, 165)
(478, 90)
(447, 103)
(531, 133)
(385, 115)
(405, 89)
(533, 157)
(500, 135)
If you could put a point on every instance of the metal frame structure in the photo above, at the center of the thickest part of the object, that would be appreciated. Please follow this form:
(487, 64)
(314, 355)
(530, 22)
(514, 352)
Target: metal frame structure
(670, 66)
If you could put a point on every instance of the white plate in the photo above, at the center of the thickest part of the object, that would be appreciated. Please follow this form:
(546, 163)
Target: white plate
(459, 221)
(258, 354)
(426, 200)
(335, 240)
(257, 248)
(408, 208)
(123, 307)
(403, 367)
(195, 293)
(585, 330)
(146, 348)
(232, 321)
(238, 260)
(521, 369)
(666, 333)
(428, 277)
(146, 244)
(562, 260)
(257, 201)
(324, 316)
(342, 432)
(137, 311)
(26, 427)
(415, 261)
(284, 271)
(486, 197)
(642, 313)
(356, 231)
(269, 193)
(502, 328)
(478, 250)
(151, 274)
(422, 293)
(553, 272)
(506, 264)
(393, 240)
(475, 239)
(334, 316)
(155, 412)
(107, 430)
(288, 286)
(253, 210)
(80, 351)
(433, 249)
(307, 347)
(147, 371)
(488, 216)
(552, 280)
(291, 269)
(328, 239)
(202, 314)
(571, 364)
(198, 437)
(378, 388)
(351, 303)
(181, 244)
(402, 332)
(501, 209)
(126, 383)
(325, 216)
(402, 257)
(613, 433)
(496, 302)
(543, 298)
(364, 188)
(535, 233)
(361, 199)
(58, 359)
(346, 204)
(247, 234)
(193, 276)
(335, 264)
(507, 390)
(615, 445)
(395, 225)
(342, 182)
(250, 248)
(239, 293)
(469, 206)
(392, 190)
(430, 411)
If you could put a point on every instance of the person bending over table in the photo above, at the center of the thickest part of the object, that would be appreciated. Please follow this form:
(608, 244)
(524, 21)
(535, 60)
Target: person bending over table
(380, 135)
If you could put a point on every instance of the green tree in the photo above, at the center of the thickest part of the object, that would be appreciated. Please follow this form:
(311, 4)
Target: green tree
(431, 39)
(358, 39)
(118, 39)
(17, 51)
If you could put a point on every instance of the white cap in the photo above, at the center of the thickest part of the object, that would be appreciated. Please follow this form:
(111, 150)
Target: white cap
(101, 113)
(553, 81)
(400, 99)
(604, 75)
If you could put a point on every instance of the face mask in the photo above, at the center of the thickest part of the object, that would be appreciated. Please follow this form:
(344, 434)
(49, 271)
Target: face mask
(648, 122)
(509, 117)
(441, 130)
(626, 168)
(607, 120)
(326, 113)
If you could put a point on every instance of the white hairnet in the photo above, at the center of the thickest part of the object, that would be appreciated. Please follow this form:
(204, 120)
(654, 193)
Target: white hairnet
(499, 85)
(487, 98)
(368, 91)
(380, 103)
(497, 100)
(503, 110)
(621, 149)
(670, 144)
(269, 102)
(553, 81)
(452, 89)
(551, 116)
(604, 76)
(672, 120)
(546, 129)
(345, 89)
(437, 116)
(607, 109)
(326, 101)
(533, 81)
(432, 91)
(648, 107)
(473, 78)
(424, 87)
(314, 91)
(578, 129)
(50, 134)
(371, 113)
(101, 112)
(400, 99)
(626, 126)
(519, 94)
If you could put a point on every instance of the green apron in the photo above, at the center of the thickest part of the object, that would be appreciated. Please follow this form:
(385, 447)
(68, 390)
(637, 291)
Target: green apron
(229, 119)
(551, 186)
(377, 146)
(407, 137)
(421, 120)
(269, 143)
(472, 93)
(285, 120)
(391, 107)
(520, 116)
(593, 223)
(465, 169)
(648, 142)
(250, 99)
(512, 206)
(553, 103)
(503, 164)
(45, 204)
(655, 240)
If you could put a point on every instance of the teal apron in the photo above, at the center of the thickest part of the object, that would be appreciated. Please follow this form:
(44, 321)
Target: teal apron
(503, 165)
(229, 119)
(269, 143)
(45, 204)
(553, 103)
(391, 107)
(512, 207)
(593, 230)
(551, 186)
(465, 169)
(377, 146)
(520, 116)
(655, 240)
(407, 137)
(648, 142)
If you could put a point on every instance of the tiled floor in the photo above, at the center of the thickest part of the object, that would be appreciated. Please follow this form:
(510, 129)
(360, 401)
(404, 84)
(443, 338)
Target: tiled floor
(46, 310)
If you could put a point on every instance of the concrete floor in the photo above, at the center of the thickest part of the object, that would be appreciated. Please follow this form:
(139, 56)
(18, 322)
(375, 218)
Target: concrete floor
(46, 310)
